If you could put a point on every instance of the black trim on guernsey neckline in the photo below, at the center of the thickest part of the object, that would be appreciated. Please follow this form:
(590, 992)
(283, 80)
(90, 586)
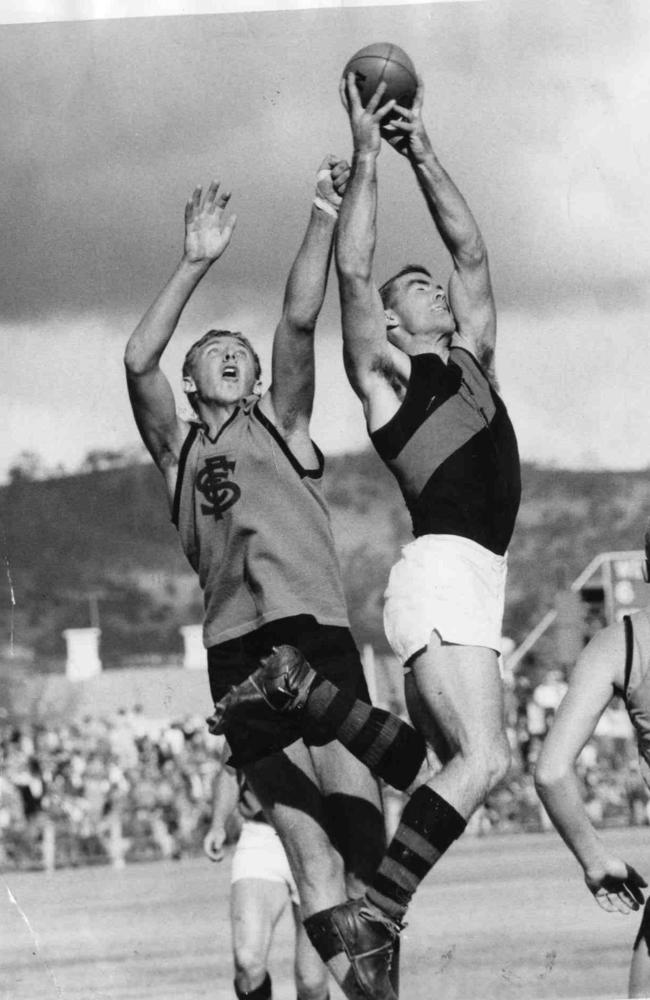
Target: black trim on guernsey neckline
(275, 434)
(182, 460)
(629, 653)
(204, 427)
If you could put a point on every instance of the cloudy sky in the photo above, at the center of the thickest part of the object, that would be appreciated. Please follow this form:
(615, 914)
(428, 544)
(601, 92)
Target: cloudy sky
(539, 111)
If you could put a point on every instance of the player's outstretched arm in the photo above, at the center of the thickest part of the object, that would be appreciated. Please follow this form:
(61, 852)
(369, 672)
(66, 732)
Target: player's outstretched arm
(292, 384)
(371, 363)
(614, 884)
(224, 803)
(470, 289)
(206, 237)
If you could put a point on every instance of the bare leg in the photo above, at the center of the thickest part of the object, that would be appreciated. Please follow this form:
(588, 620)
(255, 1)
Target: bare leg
(354, 813)
(288, 790)
(310, 973)
(255, 908)
(455, 698)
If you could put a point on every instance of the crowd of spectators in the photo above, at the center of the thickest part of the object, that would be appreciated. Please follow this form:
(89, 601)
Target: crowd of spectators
(121, 789)
(131, 788)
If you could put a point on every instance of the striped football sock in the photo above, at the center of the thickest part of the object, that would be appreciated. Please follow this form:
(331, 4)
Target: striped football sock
(390, 748)
(429, 825)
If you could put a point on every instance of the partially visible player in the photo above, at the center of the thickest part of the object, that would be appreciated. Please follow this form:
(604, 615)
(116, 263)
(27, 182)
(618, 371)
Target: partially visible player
(261, 888)
(615, 662)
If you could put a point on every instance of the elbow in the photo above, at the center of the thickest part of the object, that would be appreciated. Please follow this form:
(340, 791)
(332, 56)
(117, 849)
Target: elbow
(352, 272)
(353, 262)
(301, 322)
(474, 253)
(130, 362)
(135, 364)
(548, 775)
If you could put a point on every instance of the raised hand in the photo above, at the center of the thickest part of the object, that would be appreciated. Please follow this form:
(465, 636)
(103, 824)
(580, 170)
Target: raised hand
(406, 133)
(340, 177)
(206, 233)
(616, 886)
(332, 179)
(364, 122)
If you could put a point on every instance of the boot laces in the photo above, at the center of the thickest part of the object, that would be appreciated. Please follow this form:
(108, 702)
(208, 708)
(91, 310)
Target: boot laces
(377, 916)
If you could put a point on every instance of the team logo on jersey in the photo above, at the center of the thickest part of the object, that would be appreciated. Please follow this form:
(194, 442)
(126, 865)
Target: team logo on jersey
(213, 482)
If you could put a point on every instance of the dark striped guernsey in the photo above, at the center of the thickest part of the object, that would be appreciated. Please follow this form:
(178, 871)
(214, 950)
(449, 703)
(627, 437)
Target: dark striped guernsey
(453, 450)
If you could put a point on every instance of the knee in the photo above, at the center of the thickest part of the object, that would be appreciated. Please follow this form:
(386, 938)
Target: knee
(499, 759)
(250, 963)
(491, 762)
(317, 865)
(312, 985)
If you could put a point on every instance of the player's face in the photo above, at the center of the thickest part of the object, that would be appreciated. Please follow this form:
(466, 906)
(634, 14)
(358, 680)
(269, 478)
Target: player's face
(224, 371)
(421, 305)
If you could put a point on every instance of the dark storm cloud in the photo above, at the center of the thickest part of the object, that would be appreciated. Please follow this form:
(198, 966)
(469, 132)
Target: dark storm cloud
(108, 125)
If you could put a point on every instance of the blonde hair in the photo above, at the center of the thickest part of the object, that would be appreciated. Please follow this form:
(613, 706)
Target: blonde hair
(207, 338)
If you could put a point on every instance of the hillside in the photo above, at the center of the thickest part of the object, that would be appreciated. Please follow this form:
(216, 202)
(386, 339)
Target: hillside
(103, 541)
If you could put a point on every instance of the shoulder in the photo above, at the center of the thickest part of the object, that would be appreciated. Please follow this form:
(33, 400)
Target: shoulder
(168, 451)
(293, 436)
(470, 358)
(604, 655)
(189, 431)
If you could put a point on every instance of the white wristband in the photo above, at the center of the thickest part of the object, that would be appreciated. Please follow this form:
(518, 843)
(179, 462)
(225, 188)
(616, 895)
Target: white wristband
(326, 206)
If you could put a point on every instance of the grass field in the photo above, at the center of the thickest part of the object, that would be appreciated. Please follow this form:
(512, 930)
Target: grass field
(504, 917)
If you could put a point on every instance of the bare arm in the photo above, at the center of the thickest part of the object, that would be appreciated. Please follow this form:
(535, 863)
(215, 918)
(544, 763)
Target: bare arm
(470, 290)
(292, 386)
(614, 885)
(374, 367)
(225, 794)
(152, 399)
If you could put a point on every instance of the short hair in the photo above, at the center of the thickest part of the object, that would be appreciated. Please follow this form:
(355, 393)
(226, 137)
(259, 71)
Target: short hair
(386, 290)
(211, 335)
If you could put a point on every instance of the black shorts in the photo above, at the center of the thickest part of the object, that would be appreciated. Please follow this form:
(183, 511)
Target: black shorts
(329, 649)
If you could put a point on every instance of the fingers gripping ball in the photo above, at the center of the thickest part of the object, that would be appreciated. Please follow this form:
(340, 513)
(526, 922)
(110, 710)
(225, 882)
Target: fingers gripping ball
(383, 63)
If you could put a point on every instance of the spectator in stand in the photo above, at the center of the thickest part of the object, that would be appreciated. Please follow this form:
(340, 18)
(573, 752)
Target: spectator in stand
(91, 806)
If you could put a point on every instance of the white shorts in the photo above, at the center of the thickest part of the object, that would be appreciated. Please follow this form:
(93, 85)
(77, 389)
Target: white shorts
(449, 585)
(259, 854)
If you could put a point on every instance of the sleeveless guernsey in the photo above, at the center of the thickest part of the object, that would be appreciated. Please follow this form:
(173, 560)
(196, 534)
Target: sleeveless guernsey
(636, 690)
(255, 527)
(453, 450)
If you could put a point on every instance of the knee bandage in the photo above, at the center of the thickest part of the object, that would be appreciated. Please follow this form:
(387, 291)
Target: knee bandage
(323, 935)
